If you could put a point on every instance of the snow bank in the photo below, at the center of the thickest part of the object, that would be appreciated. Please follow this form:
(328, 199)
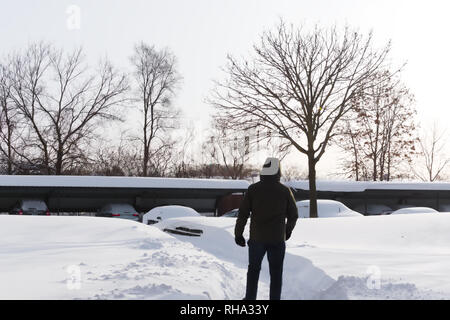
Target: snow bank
(121, 259)
(302, 279)
(113, 258)
(166, 212)
(414, 210)
(326, 209)
(418, 232)
(405, 256)
(383, 257)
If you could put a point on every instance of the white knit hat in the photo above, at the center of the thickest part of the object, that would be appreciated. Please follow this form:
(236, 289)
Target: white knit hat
(271, 167)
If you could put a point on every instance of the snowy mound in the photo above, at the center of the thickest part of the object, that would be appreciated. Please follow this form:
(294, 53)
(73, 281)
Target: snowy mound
(102, 258)
(162, 213)
(414, 210)
(326, 209)
(383, 257)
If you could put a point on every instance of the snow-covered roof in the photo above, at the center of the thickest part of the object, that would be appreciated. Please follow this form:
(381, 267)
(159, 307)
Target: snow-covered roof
(360, 186)
(120, 182)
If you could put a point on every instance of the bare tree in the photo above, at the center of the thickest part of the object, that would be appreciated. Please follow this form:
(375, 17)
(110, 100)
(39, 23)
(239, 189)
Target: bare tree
(229, 151)
(354, 166)
(8, 121)
(15, 146)
(298, 85)
(117, 160)
(62, 102)
(184, 163)
(378, 135)
(156, 80)
(292, 172)
(432, 157)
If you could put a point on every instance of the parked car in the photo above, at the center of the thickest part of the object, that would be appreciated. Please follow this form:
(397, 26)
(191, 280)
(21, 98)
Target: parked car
(232, 213)
(374, 209)
(33, 207)
(326, 209)
(415, 210)
(118, 210)
(158, 214)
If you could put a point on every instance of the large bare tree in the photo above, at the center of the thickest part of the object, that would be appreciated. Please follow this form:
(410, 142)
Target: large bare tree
(298, 85)
(63, 101)
(156, 79)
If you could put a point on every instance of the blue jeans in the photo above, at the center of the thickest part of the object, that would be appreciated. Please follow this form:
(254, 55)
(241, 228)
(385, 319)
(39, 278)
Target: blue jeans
(275, 256)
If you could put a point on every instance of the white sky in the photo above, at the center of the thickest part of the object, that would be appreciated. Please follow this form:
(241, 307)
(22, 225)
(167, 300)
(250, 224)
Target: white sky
(202, 32)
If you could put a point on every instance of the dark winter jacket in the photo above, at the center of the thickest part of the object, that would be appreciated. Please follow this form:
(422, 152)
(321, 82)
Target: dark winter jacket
(270, 204)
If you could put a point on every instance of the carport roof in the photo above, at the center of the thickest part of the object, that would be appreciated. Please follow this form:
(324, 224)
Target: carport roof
(120, 182)
(361, 186)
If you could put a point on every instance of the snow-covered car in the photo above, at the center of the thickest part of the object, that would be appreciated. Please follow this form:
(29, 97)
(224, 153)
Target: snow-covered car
(414, 210)
(326, 209)
(30, 207)
(158, 214)
(118, 210)
(232, 213)
(374, 209)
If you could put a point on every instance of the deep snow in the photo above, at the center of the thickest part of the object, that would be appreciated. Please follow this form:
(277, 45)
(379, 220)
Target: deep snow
(386, 257)
(326, 209)
(165, 212)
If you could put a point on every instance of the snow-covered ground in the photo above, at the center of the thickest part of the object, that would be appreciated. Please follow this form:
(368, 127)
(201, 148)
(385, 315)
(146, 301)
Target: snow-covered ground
(385, 257)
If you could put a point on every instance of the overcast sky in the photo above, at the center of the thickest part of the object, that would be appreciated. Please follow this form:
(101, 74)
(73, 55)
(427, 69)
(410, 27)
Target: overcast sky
(202, 32)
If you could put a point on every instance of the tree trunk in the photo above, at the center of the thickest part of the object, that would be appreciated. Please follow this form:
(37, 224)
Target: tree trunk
(58, 166)
(145, 164)
(59, 160)
(10, 168)
(312, 186)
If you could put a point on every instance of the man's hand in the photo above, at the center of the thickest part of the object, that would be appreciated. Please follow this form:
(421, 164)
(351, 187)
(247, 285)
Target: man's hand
(240, 241)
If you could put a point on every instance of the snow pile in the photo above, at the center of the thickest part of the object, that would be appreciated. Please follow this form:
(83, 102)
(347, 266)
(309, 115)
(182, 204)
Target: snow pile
(165, 212)
(103, 258)
(302, 280)
(384, 257)
(414, 210)
(380, 257)
(326, 209)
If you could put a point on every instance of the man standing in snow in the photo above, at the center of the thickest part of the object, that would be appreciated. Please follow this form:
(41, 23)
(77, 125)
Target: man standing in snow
(269, 203)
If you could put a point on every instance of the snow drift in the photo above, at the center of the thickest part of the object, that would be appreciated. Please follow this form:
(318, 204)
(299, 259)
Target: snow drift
(103, 258)
(404, 256)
